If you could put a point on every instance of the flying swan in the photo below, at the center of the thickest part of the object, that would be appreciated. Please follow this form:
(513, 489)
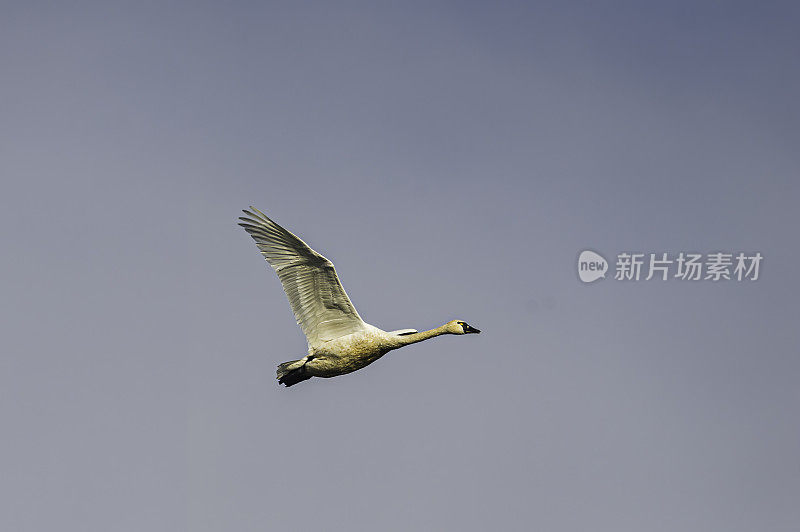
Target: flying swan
(339, 341)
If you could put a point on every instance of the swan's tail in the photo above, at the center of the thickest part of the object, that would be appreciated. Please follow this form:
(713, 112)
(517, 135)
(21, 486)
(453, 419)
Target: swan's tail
(292, 372)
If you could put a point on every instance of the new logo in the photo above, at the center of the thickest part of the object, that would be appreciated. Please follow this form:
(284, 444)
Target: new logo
(591, 266)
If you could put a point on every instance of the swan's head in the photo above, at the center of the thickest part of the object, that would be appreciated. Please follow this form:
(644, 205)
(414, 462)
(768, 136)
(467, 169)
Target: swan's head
(461, 327)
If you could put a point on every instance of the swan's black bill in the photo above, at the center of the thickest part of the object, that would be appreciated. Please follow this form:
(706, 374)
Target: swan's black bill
(470, 329)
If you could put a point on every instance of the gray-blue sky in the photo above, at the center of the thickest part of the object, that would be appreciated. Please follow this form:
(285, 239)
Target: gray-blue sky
(451, 159)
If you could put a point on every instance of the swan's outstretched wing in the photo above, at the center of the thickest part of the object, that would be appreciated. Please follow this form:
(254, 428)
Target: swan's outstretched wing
(319, 302)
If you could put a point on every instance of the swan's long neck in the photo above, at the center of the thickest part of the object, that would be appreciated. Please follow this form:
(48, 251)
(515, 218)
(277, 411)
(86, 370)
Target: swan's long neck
(424, 335)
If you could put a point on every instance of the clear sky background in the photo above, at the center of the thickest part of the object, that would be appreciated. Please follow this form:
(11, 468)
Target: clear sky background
(452, 159)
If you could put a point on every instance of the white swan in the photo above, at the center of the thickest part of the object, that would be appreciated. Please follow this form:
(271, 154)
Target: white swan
(339, 341)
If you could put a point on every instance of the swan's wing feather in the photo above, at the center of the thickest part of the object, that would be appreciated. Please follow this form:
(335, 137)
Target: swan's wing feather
(318, 300)
(403, 332)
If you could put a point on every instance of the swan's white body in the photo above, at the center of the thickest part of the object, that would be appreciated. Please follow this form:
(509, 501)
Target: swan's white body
(339, 341)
